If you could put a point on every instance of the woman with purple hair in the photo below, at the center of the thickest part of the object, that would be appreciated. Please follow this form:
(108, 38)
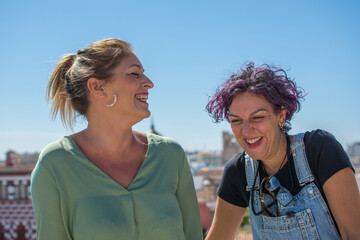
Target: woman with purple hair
(297, 186)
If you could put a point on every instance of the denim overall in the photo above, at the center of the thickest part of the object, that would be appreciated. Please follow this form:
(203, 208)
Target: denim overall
(305, 217)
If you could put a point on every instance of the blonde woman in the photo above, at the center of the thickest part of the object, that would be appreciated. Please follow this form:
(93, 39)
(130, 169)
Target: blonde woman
(108, 181)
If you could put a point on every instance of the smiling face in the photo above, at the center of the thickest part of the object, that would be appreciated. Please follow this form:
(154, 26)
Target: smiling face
(256, 126)
(131, 86)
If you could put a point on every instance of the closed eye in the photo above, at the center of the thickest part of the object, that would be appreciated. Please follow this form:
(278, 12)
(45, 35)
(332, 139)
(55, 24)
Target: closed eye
(235, 120)
(257, 118)
(135, 74)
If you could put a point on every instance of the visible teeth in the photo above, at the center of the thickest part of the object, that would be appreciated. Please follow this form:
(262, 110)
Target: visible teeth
(252, 141)
(142, 98)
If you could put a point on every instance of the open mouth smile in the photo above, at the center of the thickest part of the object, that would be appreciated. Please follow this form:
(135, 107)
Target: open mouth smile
(142, 97)
(253, 141)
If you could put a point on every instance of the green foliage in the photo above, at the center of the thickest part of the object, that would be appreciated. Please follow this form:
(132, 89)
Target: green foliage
(246, 221)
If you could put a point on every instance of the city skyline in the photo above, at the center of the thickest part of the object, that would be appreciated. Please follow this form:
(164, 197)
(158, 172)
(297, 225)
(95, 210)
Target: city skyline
(187, 49)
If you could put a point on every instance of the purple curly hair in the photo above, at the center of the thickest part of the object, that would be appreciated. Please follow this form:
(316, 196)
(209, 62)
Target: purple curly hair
(270, 82)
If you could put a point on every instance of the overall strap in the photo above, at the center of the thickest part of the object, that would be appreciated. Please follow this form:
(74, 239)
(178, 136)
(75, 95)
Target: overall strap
(250, 167)
(301, 164)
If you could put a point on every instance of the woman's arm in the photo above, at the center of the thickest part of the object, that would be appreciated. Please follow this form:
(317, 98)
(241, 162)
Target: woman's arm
(343, 196)
(46, 204)
(226, 222)
(188, 204)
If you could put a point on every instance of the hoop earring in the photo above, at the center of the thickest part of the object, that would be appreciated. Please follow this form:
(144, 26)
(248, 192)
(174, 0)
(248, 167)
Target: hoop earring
(281, 126)
(113, 103)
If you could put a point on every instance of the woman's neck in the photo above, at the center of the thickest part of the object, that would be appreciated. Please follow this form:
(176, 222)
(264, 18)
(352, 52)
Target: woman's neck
(109, 141)
(110, 132)
(109, 138)
(275, 164)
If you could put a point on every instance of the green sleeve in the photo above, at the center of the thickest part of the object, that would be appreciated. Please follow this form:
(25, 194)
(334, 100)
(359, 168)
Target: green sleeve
(46, 204)
(189, 206)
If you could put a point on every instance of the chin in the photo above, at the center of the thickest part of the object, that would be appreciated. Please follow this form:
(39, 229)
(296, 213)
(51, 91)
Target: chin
(257, 157)
(254, 154)
(147, 114)
(144, 114)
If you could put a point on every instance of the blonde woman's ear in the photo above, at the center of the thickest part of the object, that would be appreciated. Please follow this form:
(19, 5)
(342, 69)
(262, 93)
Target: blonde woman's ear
(96, 88)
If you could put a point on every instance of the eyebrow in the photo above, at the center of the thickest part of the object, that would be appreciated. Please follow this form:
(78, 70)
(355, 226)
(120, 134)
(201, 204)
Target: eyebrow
(254, 112)
(136, 65)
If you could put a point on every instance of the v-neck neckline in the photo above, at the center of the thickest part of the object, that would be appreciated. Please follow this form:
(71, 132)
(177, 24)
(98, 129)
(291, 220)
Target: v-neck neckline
(76, 150)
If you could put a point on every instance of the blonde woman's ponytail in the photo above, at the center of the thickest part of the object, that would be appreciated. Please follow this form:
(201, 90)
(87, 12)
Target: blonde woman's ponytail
(57, 91)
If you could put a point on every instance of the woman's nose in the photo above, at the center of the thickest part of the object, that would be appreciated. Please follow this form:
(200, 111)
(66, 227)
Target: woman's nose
(246, 128)
(147, 83)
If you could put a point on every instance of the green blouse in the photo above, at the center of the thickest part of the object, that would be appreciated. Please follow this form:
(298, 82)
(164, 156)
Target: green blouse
(74, 199)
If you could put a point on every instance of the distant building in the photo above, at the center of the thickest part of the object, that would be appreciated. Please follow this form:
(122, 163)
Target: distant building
(206, 217)
(210, 158)
(192, 156)
(16, 214)
(206, 182)
(353, 150)
(355, 161)
(204, 158)
(230, 146)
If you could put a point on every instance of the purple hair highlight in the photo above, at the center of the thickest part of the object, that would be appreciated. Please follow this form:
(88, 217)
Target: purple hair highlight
(270, 82)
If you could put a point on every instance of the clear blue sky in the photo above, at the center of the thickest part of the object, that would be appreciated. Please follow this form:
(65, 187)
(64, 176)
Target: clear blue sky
(188, 48)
